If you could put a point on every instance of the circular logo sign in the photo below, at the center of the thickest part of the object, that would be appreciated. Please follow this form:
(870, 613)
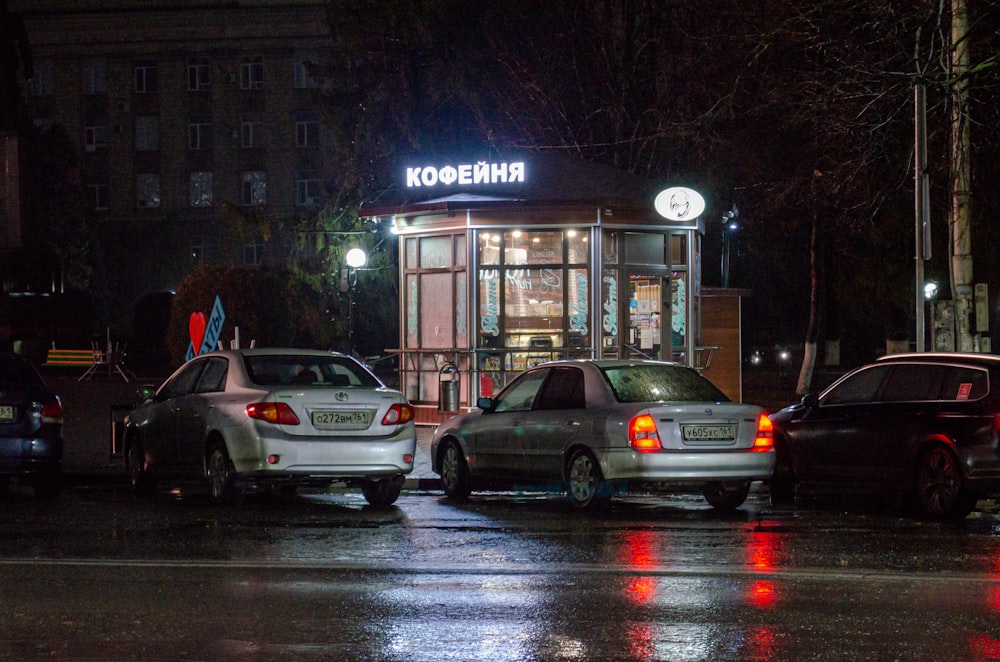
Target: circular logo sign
(679, 204)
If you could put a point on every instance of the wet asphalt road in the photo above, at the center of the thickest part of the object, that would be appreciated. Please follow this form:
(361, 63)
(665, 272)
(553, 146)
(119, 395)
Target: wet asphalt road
(98, 574)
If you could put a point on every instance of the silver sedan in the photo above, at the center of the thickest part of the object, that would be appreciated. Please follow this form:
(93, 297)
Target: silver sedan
(243, 419)
(596, 426)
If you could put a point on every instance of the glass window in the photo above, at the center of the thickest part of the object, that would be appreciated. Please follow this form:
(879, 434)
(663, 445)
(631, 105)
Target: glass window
(489, 248)
(307, 188)
(610, 244)
(147, 190)
(253, 189)
(252, 72)
(145, 79)
(661, 383)
(251, 133)
(520, 395)
(858, 387)
(564, 390)
(42, 81)
(307, 129)
(100, 196)
(147, 133)
(522, 247)
(913, 382)
(199, 74)
(200, 189)
(284, 369)
(304, 63)
(577, 247)
(435, 252)
(678, 249)
(94, 77)
(213, 379)
(644, 248)
(609, 308)
(95, 137)
(199, 136)
(182, 383)
(965, 384)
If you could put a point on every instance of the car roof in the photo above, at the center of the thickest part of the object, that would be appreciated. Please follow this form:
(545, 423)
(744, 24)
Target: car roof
(608, 363)
(272, 351)
(983, 360)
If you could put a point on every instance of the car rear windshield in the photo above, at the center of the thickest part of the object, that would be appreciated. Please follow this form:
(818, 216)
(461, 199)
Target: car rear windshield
(659, 383)
(305, 370)
(17, 371)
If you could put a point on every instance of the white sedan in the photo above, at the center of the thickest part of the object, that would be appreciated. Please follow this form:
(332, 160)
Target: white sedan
(244, 419)
(595, 426)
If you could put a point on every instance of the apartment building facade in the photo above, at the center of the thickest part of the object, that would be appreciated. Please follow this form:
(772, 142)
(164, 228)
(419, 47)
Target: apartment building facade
(186, 112)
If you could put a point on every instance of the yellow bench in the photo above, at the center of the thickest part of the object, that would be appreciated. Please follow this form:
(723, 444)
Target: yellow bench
(70, 357)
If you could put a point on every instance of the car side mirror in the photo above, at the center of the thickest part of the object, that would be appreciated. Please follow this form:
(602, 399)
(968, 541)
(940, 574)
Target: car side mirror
(486, 404)
(810, 400)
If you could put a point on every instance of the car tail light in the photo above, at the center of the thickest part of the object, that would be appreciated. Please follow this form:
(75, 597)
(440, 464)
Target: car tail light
(52, 411)
(764, 441)
(398, 414)
(642, 434)
(273, 412)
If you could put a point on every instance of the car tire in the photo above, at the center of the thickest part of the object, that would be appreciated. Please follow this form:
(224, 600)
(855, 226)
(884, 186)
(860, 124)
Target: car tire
(726, 496)
(47, 485)
(454, 472)
(940, 488)
(382, 492)
(219, 475)
(139, 479)
(585, 485)
(781, 487)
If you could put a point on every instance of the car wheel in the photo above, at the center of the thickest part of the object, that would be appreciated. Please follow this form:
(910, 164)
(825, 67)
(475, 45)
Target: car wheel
(139, 479)
(781, 487)
(382, 492)
(726, 496)
(454, 472)
(940, 486)
(47, 485)
(584, 484)
(219, 472)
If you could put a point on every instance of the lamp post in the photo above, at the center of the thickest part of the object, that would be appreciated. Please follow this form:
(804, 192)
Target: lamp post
(729, 227)
(930, 292)
(355, 258)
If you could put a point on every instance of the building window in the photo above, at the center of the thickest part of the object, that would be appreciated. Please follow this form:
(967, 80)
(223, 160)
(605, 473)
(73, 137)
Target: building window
(304, 63)
(198, 250)
(251, 133)
(94, 77)
(145, 79)
(199, 74)
(307, 129)
(147, 133)
(307, 189)
(254, 188)
(42, 81)
(147, 188)
(252, 72)
(253, 252)
(199, 135)
(200, 189)
(100, 196)
(95, 138)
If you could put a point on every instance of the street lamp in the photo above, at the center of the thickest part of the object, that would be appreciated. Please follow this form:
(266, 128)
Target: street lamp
(730, 225)
(355, 258)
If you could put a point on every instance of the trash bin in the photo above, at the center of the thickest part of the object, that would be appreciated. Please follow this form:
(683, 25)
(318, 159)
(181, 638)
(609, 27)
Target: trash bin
(449, 380)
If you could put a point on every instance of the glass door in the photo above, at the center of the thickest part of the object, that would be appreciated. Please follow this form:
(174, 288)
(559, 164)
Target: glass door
(647, 311)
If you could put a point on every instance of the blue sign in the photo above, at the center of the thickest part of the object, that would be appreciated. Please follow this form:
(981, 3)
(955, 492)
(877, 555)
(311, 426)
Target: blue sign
(213, 329)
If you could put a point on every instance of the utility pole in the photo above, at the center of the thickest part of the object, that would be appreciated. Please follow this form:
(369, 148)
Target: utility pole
(961, 240)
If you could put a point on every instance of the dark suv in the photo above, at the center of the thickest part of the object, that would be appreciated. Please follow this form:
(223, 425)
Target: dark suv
(923, 426)
(31, 421)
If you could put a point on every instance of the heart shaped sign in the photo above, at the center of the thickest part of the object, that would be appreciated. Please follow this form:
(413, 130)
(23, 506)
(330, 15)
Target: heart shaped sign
(196, 328)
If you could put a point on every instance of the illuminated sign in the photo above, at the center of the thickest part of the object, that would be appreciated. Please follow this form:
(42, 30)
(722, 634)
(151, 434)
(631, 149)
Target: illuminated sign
(478, 174)
(679, 204)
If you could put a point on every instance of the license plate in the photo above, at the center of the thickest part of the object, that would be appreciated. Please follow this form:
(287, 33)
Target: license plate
(708, 432)
(6, 413)
(335, 419)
